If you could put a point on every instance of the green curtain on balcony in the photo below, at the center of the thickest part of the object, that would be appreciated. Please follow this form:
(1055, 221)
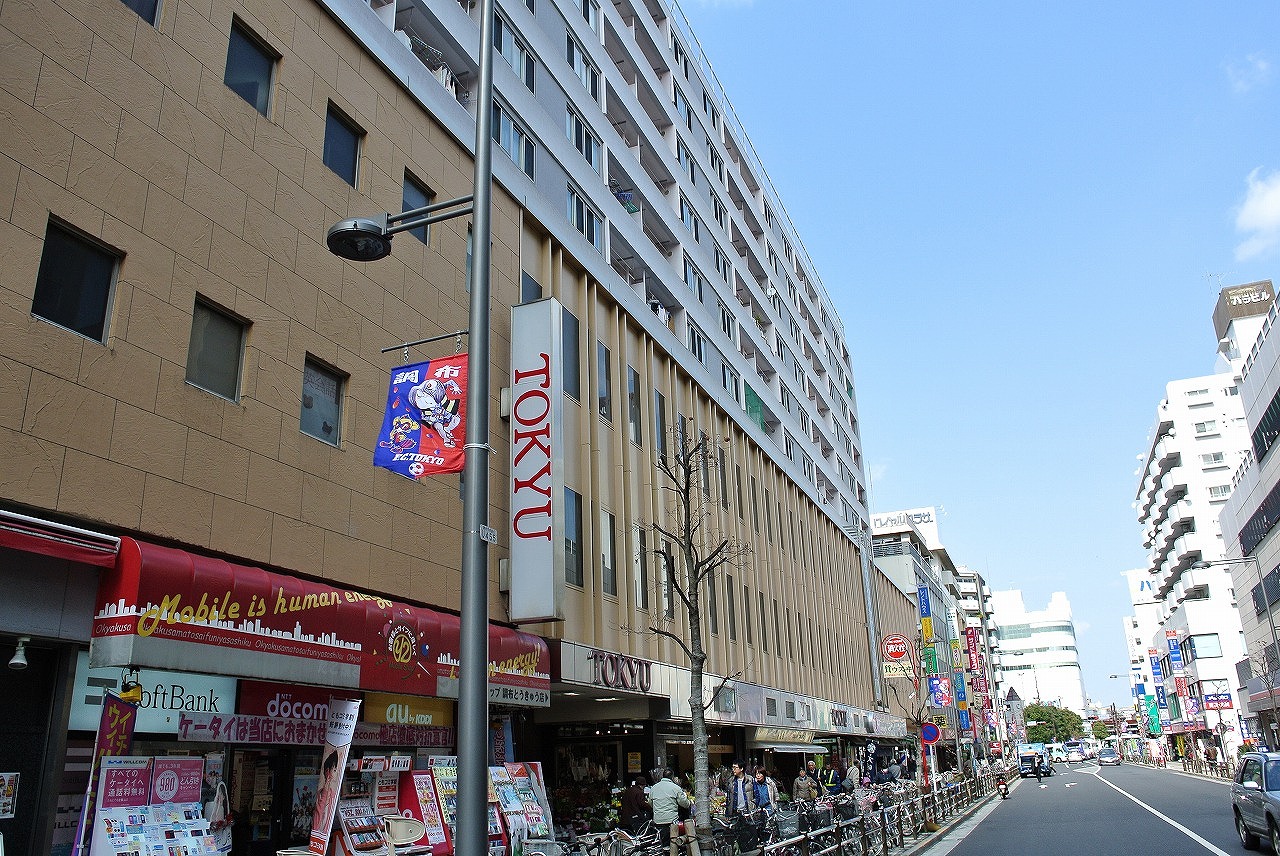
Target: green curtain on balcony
(755, 407)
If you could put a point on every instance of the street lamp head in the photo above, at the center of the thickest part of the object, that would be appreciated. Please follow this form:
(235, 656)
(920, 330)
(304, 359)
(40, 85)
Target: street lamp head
(360, 239)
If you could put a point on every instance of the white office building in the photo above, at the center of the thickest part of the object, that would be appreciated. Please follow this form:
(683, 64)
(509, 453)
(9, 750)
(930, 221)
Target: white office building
(1038, 654)
(1199, 440)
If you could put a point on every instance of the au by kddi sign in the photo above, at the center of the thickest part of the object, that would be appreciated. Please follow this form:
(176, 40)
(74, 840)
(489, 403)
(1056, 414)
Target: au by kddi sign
(537, 462)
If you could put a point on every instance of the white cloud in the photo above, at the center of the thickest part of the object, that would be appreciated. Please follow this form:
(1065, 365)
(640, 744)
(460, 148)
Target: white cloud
(1258, 217)
(1247, 74)
(1082, 627)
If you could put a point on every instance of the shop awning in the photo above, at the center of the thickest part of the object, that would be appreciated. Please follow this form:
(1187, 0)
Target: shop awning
(32, 535)
(167, 608)
(807, 748)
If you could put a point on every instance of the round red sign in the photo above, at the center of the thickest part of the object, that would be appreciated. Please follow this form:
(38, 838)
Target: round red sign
(895, 647)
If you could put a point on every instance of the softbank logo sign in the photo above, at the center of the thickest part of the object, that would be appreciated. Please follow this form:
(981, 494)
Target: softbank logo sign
(537, 462)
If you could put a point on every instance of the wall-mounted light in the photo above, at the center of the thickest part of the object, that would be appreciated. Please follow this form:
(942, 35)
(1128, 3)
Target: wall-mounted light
(131, 687)
(19, 659)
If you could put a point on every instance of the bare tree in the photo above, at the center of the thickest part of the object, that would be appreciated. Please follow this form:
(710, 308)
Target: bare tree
(694, 553)
(1266, 670)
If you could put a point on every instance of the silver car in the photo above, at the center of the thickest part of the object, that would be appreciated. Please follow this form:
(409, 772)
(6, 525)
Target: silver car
(1255, 799)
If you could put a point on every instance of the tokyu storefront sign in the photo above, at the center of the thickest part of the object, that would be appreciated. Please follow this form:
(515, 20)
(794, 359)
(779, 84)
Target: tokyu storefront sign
(537, 463)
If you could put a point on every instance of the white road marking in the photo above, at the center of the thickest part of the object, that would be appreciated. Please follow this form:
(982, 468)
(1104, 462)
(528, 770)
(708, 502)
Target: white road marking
(1178, 826)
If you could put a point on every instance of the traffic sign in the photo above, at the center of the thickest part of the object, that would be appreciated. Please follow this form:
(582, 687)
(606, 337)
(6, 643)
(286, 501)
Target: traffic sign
(929, 733)
(896, 648)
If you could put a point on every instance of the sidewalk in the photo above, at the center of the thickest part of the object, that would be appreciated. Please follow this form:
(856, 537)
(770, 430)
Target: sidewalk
(928, 839)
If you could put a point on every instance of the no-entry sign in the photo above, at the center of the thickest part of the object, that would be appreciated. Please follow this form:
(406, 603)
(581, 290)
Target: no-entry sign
(895, 648)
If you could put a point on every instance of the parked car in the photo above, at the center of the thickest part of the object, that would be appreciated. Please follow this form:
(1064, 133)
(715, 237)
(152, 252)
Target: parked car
(1255, 799)
(1107, 755)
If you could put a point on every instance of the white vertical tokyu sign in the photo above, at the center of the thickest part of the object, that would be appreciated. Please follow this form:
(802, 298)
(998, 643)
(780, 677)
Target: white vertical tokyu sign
(537, 462)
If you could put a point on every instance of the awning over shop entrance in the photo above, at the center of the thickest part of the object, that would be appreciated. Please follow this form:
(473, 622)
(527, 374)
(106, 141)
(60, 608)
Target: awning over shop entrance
(170, 609)
(809, 748)
(31, 535)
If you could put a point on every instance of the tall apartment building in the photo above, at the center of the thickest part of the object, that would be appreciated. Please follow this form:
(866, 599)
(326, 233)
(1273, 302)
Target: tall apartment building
(1199, 440)
(1038, 653)
(191, 389)
(1248, 520)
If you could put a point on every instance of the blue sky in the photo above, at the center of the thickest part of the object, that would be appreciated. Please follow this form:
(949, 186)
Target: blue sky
(1023, 213)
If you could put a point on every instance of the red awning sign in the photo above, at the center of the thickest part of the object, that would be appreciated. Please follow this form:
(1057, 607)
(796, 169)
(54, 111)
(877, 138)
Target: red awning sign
(170, 609)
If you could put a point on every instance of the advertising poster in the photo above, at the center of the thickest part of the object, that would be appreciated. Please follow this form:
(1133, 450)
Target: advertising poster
(333, 760)
(444, 773)
(176, 780)
(424, 423)
(418, 797)
(115, 737)
(8, 795)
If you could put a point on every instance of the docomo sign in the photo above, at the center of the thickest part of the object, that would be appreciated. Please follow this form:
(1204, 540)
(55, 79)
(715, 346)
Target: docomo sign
(537, 462)
(896, 648)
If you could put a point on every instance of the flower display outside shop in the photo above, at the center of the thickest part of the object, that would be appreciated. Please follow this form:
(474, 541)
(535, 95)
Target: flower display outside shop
(587, 808)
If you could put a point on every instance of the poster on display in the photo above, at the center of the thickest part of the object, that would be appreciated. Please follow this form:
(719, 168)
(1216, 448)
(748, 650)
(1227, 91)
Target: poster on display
(424, 422)
(418, 799)
(502, 786)
(8, 795)
(361, 828)
(386, 792)
(533, 800)
(444, 774)
(128, 823)
(343, 714)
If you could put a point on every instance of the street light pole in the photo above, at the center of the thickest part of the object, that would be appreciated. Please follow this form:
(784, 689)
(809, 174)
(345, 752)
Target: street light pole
(369, 239)
(1269, 662)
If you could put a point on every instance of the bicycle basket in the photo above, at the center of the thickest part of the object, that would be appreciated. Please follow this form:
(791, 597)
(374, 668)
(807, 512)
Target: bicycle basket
(788, 823)
(819, 818)
(847, 809)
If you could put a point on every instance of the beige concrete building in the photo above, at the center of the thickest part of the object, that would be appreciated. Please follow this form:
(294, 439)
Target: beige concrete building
(192, 389)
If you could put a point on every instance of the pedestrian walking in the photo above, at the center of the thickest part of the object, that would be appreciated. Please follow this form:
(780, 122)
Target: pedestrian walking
(806, 787)
(667, 798)
(765, 791)
(741, 799)
(832, 779)
(1036, 766)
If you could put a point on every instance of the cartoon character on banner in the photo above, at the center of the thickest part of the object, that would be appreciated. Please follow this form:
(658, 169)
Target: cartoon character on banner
(436, 409)
(401, 437)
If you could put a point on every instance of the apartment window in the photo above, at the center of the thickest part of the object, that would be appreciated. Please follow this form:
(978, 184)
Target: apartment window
(717, 162)
(694, 278)
(591, 14)
(746, 614)
(1196, 393)
(321, 402)
(585, 219)
(215, 353)
(729, 380)
(713, 115)
(768, 517)
(682, 108)
(1205, 645)
(791, 637)
(667, 563)
(1206, 427)
(146, 9)
(697, 344)
(660, 424)
(768, 215)
(604, 383)
(789, 446)
(249, 67)
(728, 324)
(342, 145)
(713, 610)
(572, 537)
(569, 347)
(513, 50)
(678, 53)
(608, 553)
(690, 219)
(755, 507)
(737, 475)
(722, 263)
(777, 630)
(785, 399)
(417, 195)
(763, 625)
(806, 464)
(687, 163)
(582, 67)
(730, 610)
(642, 568)
(633, 406)
(513, 139)
(724, 477)
(1219, 491)
(587, 143)
(75, 282)
(721, 213)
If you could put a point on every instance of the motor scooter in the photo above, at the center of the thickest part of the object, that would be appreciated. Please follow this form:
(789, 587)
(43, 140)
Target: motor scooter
(1003, 787)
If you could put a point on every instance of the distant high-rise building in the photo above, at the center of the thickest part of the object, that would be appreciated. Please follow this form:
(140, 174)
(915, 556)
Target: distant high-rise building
(1038, 652)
